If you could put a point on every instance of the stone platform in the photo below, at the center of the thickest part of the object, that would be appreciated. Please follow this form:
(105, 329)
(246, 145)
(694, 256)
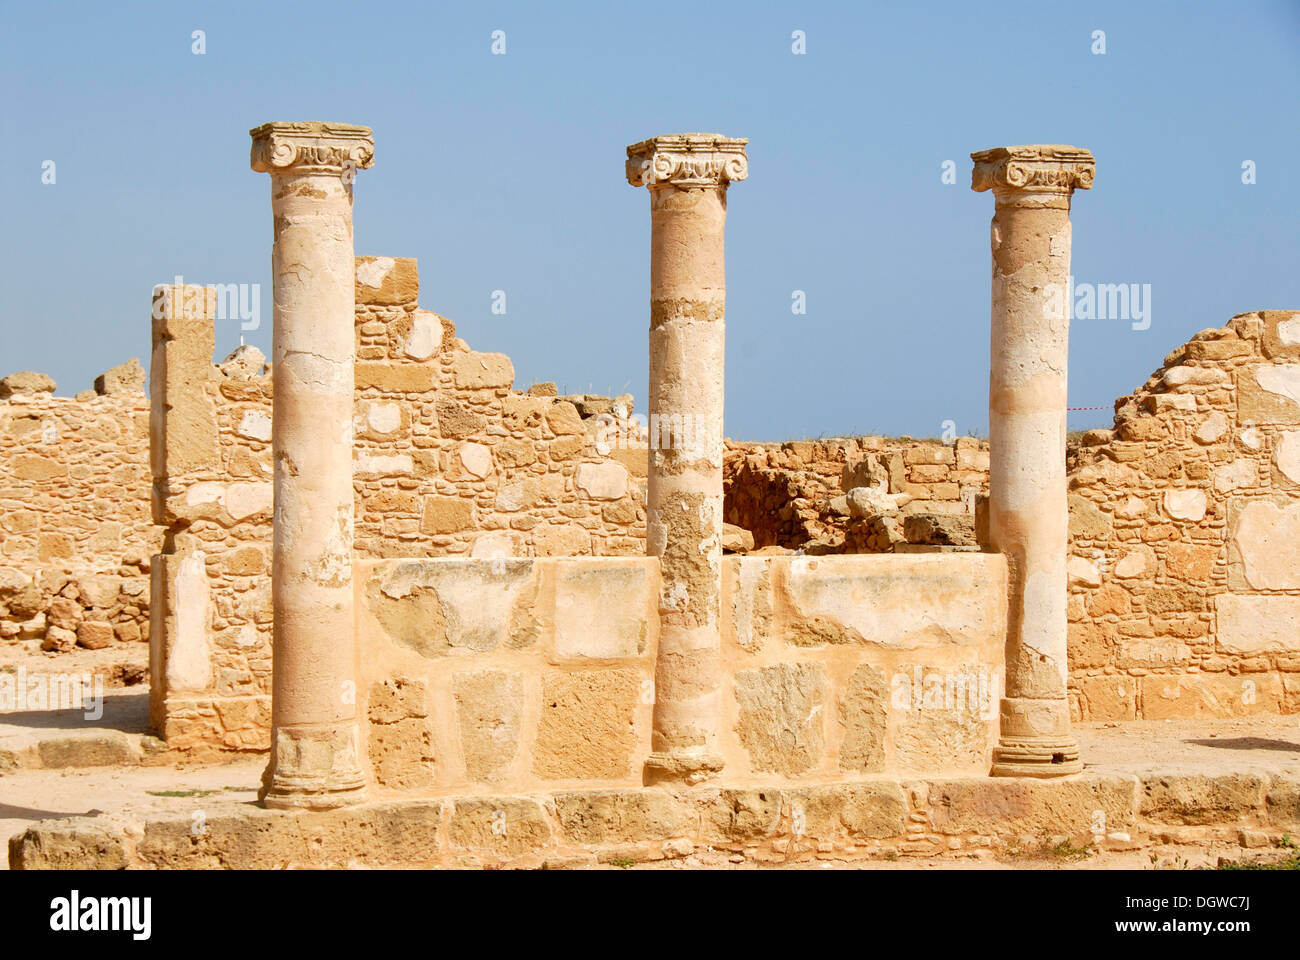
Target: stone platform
(1234, 782)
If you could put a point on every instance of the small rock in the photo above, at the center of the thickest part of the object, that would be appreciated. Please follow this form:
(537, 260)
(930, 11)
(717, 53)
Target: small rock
(736, 539)
(244, 363)
(58, 639)
(679, 847)
(26, 381)
(544, 389)
(128, 377)
(867, 502)
(64, 613)
(950, 529)
(95, 634)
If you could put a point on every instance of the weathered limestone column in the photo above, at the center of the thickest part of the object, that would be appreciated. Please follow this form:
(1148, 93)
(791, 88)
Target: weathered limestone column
(315, 753)
(1028, 514)
(688, 176)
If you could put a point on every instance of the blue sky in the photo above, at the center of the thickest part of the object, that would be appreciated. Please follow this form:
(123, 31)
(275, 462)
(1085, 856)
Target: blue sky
(506, 173)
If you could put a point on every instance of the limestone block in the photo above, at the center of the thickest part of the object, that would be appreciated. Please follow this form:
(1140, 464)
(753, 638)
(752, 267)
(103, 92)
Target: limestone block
(1235, 475)
(1212, 428)
(476, 459)
(395, 377)
(1108, 697)
(602, 481)
(562, 418)
(873, 600)
(255, 425)
(1209, 695)
(587, 729)
(128, 377)
(496, 543)
(501, 828)
(561, 540)
(605, 607)
(1189, 561)
(1251, 625)
(397, 698)
(856, 809)
(482, 371)
(1087, 520)
(1268, 393)
(488, 707)
(1266, 544)
(383, 418)
(26, 382)
(37, 469)
(446, 515)
(425, 338)
(1287, 456)
(1281, 334)
(243, 363)
(383, 465)
(1198, 799)
(245, 500)
(456, 421)
(748, 618)
(387, 281)
(1180, 376)
(736, 539)
(181, 593)
(1185, 504)
(1083, 572)
(780, 716)
(863, 713)
(1027, 806)
(623, 816)
(1132, 564)
(1130, 509)
(402, 754)
(434, 605)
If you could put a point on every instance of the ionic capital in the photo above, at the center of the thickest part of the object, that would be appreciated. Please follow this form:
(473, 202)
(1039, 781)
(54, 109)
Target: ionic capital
(687, 160)
(1039, 168)
(311, 147)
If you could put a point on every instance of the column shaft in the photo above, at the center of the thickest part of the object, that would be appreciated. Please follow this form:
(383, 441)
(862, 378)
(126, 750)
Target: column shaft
(1028, 513)
(688, 178)
(315, 752)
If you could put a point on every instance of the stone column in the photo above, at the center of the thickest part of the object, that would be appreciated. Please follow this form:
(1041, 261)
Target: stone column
(315, 752)
(1028, 516)
(687, 175)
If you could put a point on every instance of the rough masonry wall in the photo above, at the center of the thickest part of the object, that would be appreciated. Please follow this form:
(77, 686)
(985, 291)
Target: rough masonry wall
(449, 461)
(792, 495)
(75, 535)
(1185, 534)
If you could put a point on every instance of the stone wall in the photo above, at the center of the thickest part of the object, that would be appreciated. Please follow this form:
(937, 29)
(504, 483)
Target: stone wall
(794, 495)
(522, 674)
(449, 460)
(1185, 534)
(75, 535)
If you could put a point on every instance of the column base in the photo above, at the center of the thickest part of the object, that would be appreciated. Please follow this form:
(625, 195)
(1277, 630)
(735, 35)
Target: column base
(313, 768)
(310, 796)
(1036, 757)
(685, 769)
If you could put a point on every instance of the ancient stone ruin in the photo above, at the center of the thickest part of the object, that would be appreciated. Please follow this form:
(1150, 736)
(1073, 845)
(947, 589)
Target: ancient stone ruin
(468, 621)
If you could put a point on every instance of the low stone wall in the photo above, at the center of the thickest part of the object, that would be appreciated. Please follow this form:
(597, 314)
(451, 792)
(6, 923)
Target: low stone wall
(507, 672)
(759, 823)
(1185, 534)
(521, 674)
(75, 536)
